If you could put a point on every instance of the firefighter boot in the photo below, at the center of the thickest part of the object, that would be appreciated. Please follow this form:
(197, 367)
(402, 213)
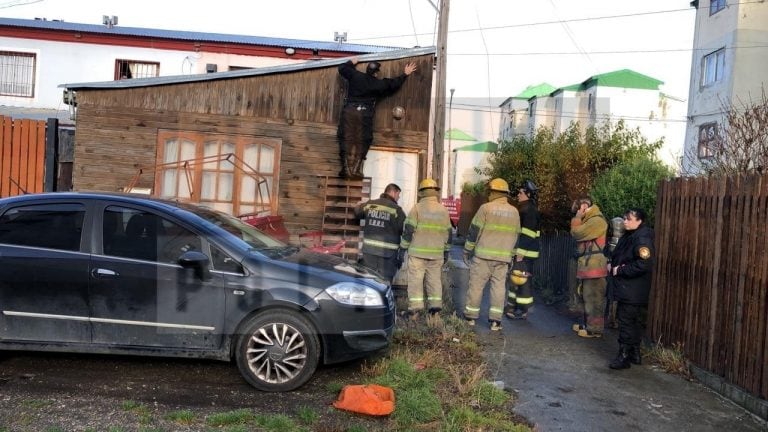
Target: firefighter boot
(622, 358)
(634, 355)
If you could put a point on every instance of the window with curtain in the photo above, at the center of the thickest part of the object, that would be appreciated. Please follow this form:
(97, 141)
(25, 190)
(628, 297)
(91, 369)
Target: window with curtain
(17, 74)
(233, 174)
(127, 69)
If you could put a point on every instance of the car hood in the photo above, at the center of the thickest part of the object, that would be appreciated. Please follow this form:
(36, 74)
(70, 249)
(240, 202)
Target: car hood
(333, 263)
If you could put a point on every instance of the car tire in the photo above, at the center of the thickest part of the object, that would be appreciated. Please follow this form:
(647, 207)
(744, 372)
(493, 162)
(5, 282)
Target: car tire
(278, 350)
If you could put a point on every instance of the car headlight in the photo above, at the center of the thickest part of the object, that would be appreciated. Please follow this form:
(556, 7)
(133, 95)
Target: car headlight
(355, 294)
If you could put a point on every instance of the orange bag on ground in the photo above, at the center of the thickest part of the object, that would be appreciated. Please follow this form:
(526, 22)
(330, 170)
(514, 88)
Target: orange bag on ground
(369, 399)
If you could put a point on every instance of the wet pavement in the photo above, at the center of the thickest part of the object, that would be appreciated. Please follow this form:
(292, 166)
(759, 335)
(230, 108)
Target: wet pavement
(562, 382)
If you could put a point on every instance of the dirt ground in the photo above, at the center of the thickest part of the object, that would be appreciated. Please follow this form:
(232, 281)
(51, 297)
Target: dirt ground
(69, 392)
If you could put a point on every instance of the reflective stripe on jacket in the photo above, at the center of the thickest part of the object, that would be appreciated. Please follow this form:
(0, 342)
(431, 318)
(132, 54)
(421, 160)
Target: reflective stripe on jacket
(427, 230)
(530, 221)
(589, 234)
(383, 226)
(494, 231)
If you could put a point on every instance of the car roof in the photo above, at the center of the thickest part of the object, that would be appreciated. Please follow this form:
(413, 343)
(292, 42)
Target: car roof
(157, 203)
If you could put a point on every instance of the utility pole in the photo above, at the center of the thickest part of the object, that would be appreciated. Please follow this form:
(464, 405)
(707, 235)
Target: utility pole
(450, 153)
(438, 135)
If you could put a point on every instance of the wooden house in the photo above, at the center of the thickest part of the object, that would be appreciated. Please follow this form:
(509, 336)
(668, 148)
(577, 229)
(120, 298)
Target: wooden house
(250, 140)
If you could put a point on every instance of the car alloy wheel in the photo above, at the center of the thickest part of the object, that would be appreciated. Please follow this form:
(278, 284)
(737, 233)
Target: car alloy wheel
(278, 351)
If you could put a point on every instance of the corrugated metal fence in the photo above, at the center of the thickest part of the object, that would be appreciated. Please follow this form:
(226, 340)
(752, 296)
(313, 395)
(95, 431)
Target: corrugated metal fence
(710, 285)
(22, 156)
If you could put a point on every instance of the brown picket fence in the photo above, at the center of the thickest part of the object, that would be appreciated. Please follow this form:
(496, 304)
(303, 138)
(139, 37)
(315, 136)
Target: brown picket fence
(22, 156)
(710, 284)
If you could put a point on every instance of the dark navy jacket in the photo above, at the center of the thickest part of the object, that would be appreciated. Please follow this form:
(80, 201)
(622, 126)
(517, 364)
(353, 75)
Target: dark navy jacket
(634, 255)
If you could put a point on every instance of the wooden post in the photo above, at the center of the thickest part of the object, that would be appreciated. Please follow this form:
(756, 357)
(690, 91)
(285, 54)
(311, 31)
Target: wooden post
(438, 136)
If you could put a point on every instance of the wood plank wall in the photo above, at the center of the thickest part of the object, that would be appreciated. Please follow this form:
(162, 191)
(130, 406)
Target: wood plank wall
(22, 156)
(710, 285)
(117, 129)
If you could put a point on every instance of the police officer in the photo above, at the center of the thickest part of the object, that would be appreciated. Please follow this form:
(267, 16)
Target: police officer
(488, 251)
(427, 238)
(630, 267)
(355, 131)
(589, 229)
(381, 234)
(520, 297)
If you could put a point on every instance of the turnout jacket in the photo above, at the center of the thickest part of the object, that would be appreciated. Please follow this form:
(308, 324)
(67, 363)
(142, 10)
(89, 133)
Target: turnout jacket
(634, 256)
(427, 230)
(530, 223)
(494, 231)
(589, 233)
(383, 226)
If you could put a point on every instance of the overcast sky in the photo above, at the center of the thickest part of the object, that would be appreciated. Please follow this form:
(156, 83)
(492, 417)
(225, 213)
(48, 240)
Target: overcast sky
(495, 48)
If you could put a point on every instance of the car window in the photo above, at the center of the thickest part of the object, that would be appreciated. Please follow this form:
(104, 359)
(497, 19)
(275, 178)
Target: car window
(223, 262)
(131, 233)
(53, 226)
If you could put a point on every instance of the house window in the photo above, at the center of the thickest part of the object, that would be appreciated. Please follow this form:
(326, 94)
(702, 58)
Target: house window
(234, 174)
(716, 6)
(713, 67)
(707, 140)
(589, 103)
(17, 74)
(127, 69)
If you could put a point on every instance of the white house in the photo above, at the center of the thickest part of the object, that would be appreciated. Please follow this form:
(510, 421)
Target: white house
(624, 94)
(515, 111)
(730, 60)
(36, 56)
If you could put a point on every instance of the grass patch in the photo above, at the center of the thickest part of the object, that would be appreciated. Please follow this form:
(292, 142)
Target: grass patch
(277, 423)
(307, 415)
(229, 418)
(670, 359)
(36, 403)
(181, 417)
(55, 429)
(138, 409)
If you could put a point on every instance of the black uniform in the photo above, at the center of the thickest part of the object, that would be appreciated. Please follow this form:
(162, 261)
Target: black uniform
(381, 234)
(355, 132)
(634, 257)
(520, 298)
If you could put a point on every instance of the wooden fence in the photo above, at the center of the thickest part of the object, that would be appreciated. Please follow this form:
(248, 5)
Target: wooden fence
(22, 156)
(710, 285)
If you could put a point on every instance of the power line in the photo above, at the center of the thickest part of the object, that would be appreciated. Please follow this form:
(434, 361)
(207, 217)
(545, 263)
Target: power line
(13, 3)
(650, 51)
(539, 23)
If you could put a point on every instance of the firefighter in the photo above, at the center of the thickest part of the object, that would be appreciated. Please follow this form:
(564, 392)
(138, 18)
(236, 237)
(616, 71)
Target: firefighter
(520, 297)
(589, 229)
(630, 266)
(381, 234)
(488, 251)
(355, 131)
(427, 239)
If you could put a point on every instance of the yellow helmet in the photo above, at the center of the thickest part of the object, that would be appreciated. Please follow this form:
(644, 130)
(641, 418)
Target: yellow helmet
(519, 277)
(428, 183)
(499, 185)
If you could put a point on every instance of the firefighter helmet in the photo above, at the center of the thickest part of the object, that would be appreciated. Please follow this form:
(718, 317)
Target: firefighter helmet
(428, 183)
(530, 189)
(499, 185)
(519, 277)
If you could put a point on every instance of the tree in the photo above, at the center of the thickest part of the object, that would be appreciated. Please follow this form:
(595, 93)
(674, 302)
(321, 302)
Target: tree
(740, 146)
(564, 166)
(631, 184)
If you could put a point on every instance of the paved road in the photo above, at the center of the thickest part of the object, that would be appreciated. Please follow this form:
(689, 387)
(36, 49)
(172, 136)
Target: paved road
(563, 383)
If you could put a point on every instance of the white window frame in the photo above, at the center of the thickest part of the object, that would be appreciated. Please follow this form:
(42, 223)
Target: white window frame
(716, 6)
(17, 73)
(713, 67)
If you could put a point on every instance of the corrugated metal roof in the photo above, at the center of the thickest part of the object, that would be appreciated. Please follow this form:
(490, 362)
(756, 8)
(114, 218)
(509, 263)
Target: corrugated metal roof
(192, 36)
(311, 64)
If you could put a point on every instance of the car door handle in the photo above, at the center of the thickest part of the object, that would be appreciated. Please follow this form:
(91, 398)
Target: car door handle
(100, 273)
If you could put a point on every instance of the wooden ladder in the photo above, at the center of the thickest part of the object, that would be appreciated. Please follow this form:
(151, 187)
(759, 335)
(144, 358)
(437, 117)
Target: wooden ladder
(339, 223)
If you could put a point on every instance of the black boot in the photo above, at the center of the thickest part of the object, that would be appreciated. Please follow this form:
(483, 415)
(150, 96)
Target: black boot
(634, 355)
(622, 359)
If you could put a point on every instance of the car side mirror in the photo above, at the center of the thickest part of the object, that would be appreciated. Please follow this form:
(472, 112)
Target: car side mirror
(197, 261)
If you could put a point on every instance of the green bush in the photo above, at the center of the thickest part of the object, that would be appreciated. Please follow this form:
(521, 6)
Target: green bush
(630, 184)
(565, 166)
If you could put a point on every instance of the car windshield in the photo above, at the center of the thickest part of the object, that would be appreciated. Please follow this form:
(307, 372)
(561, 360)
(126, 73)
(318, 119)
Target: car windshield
(249, 234)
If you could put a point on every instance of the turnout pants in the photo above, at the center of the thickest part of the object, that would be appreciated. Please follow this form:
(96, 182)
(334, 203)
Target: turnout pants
(520, 297)
(424, 278)
(592, 300)
(481, 271)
